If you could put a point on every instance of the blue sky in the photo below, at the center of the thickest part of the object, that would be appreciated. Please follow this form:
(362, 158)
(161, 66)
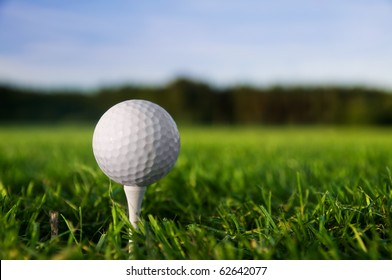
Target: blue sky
(94, 43)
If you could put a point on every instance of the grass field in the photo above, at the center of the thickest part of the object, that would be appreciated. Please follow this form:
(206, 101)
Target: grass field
(235, 193)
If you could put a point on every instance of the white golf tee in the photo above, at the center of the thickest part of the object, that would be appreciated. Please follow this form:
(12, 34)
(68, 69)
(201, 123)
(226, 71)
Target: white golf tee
(134, 196)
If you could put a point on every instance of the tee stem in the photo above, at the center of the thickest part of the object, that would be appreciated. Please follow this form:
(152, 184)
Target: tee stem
(134, 196)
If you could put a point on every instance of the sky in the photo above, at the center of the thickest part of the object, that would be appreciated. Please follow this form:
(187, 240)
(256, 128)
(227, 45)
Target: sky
(94, 43)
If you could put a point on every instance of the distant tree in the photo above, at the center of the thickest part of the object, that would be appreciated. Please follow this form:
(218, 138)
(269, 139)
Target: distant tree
(192, 101)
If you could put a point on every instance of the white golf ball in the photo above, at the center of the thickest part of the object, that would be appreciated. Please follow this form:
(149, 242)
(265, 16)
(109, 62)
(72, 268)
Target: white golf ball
(136, 143)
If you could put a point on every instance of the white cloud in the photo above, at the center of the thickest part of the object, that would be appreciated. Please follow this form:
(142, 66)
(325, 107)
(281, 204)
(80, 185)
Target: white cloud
(340, 42)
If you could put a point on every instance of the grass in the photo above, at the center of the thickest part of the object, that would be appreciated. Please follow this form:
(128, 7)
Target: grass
(235, 193)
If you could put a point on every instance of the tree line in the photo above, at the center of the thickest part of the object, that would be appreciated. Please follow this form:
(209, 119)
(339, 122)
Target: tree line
(190, 101)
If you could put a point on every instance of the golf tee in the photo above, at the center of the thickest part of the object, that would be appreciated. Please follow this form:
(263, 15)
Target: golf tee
(134, 196)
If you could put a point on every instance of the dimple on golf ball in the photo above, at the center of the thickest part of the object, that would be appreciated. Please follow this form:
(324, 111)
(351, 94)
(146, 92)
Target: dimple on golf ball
(136, 143)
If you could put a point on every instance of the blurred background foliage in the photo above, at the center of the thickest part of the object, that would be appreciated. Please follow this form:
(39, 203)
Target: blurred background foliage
(196, 102)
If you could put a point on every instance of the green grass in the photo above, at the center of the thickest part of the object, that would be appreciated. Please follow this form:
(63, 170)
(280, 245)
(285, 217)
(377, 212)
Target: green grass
(235, 193)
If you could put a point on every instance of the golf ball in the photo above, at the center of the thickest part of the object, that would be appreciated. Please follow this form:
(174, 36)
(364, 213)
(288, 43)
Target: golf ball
(136, 143)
